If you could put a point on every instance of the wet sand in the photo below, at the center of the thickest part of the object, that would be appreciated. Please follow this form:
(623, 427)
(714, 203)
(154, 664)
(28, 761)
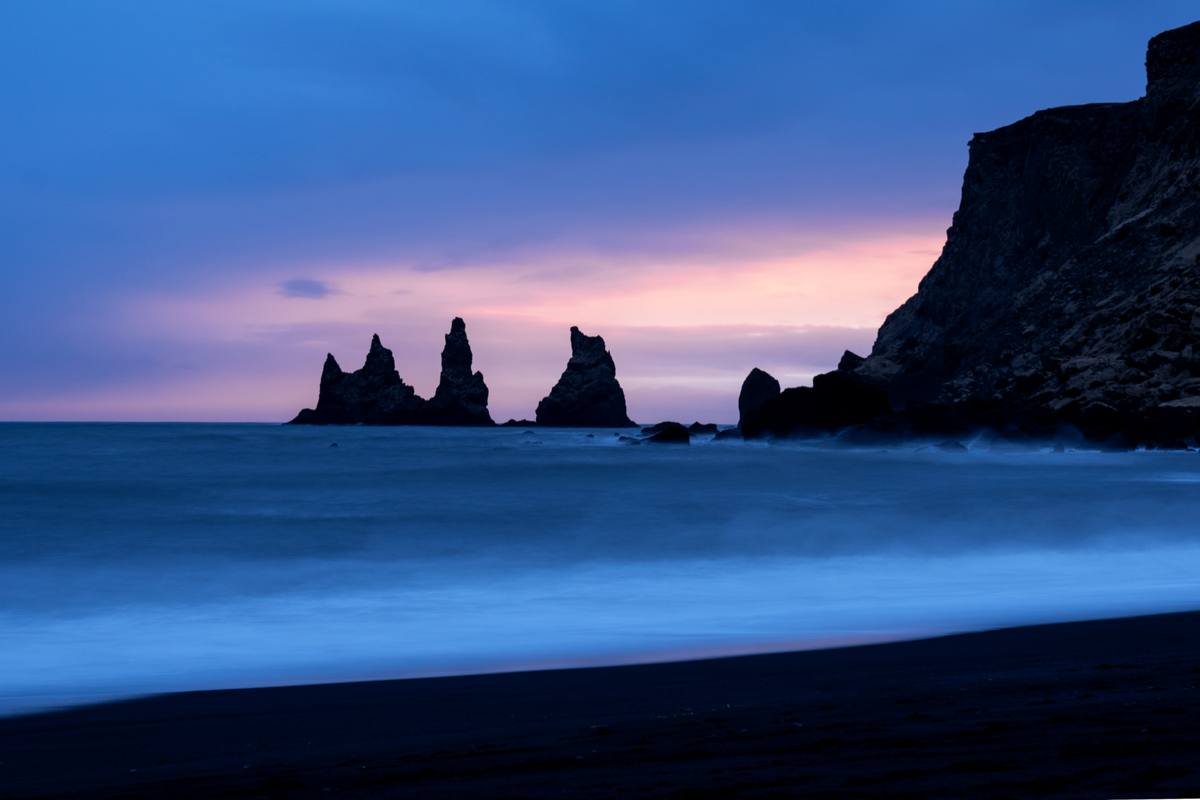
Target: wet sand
(1094, 709)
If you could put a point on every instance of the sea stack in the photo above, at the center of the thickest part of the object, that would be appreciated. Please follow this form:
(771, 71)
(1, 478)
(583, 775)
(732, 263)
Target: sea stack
(587, 395)
(375, 394)
(372, 395)
(1066, 297)
(462, 396)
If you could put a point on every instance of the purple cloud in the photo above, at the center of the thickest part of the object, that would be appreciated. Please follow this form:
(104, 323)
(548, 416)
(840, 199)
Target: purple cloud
(306, 288)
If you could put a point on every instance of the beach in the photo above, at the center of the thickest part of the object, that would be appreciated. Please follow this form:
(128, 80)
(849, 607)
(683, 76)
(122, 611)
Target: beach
(1087, 709)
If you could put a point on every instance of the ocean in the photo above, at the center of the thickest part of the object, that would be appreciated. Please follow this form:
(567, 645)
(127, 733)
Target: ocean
(144, 558)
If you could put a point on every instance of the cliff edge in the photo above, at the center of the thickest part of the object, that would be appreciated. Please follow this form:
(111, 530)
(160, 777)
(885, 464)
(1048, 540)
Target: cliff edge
(1067, 293)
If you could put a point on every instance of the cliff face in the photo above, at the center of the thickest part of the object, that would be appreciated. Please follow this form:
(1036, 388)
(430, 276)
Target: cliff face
(1068, 291)
(376, 395)
(587, 394)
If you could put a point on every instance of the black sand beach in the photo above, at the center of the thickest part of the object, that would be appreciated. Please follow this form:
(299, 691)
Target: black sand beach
(1092, 709)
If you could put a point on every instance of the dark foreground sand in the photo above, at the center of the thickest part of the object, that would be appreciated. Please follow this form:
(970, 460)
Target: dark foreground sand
(1089, 710)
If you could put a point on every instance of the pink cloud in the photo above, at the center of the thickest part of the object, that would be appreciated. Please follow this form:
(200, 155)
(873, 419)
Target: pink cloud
(684, 327)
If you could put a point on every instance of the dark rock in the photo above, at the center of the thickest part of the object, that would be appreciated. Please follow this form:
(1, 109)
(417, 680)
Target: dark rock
(375, 394)
(952, 446)
(668, 433)
(835, 400)
(850, 362)
(1065, 297)
(628, 439)
(758, 391)
(1173, 65)
(587, 395)
(462, 396)
(372, 395)
(518, 423)
(728, 433)
(703, 428)
(1066, 288)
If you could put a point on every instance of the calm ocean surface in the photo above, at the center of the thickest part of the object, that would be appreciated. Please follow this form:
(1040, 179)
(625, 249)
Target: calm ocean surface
(147, 558)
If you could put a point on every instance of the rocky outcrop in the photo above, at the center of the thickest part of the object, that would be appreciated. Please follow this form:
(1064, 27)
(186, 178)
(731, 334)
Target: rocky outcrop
(670, 433)
(667, 432)
(372, 395)
(1067, 296)
(462, 396)
(587, 395)
(759, 390)
(376, 395)
(835, 400)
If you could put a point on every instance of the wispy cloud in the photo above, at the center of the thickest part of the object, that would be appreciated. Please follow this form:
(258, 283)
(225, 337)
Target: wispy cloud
(684, 327)
(306, 288)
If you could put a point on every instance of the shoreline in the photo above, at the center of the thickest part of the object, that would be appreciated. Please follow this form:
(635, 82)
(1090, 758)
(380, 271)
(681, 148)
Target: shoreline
(1098, 708)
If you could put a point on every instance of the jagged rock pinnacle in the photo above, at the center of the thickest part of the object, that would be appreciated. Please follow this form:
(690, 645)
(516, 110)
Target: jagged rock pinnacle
(587, 394)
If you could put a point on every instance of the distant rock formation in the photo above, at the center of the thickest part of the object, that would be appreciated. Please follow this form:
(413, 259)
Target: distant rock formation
(372, 395)
(462, 396)
(375, 394)
(587, 395)
(1067, 296)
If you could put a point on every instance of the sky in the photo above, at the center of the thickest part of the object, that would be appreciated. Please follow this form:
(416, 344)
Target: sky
(198, 200)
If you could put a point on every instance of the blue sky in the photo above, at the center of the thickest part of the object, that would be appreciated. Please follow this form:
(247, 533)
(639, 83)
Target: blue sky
(198, 199)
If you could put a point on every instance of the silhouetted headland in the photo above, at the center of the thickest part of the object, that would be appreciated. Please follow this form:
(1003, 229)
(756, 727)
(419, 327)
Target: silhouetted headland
(1066, 297)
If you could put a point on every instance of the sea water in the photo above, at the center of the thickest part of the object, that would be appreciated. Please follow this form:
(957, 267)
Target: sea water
(142, 558)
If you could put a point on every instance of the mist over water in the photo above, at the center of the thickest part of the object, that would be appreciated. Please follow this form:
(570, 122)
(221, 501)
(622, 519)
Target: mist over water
(148, 558)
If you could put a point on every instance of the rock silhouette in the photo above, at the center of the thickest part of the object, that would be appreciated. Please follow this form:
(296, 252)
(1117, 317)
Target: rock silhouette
(1067, 296)
(588, 394)
(667, 433)
(372, 395)
(376, 395)
(759, 389)
(461, 397)
(835, 400)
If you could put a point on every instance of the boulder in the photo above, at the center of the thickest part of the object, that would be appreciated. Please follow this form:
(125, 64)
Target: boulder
(759, 390)
(668, 433)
